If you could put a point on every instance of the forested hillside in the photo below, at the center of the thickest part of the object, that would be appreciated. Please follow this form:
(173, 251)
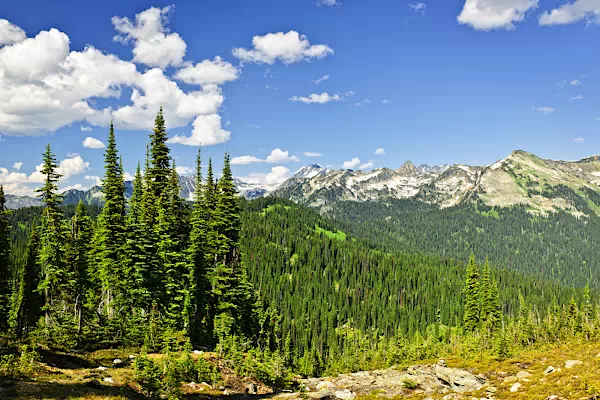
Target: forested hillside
(558, 246)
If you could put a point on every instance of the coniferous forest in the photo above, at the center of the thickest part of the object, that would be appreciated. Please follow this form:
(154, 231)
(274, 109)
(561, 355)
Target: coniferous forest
(274, 289)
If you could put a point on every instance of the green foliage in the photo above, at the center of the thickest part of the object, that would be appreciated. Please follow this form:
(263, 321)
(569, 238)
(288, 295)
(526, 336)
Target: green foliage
(472, 297)
(410, 384)
(148, 375)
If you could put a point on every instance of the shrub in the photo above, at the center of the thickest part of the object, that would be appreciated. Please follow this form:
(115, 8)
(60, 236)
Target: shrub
(410, 384)
(147, 375)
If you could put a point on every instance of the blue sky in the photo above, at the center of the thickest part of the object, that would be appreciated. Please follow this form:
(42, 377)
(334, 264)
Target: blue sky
(460, 81)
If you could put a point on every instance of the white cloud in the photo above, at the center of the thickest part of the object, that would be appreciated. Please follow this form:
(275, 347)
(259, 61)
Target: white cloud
(207, 132)
(486, 15)
(380, 151)
(208, 72)
(276, 156)
(572, 12)
(77, 186)
(10, 34)
(17, 166)
(274, 177)
(329, 3)
(544, 110)
(321, 79)
(386, 101)
(368, 165)
(575, 98)
(85, 128)
(153, 45)
(575, 82)
(312, 154)
(184, 170)
(19, 183)
(355, 162)
(579, 140)
(318, 98)
(96, 180)
(360, 103)
(418, 7)
(92, 143)
(288, 47)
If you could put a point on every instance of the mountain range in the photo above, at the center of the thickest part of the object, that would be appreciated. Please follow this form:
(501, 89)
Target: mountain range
(541, 185)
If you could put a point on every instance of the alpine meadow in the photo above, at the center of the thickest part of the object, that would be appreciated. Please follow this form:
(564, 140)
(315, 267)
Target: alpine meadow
(165, 232)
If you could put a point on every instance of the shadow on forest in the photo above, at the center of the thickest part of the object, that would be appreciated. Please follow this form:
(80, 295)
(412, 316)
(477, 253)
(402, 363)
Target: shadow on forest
(64, 361)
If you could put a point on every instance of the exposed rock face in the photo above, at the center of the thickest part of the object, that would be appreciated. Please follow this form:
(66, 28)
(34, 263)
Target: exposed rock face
(425, 379)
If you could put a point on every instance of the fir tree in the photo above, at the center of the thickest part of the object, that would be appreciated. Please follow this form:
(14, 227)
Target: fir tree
(160, 168)
(472, 297)
(51, 238)
(5, 269)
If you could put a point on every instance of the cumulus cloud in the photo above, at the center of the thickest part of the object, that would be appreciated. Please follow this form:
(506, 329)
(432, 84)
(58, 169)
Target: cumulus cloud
(570, 12)
(380, 151)
(85, 128)
(275, 157)
(92, 143)
(486, 15)
(355, 162)
(10, 34)
(367, 165)
(184, 170)
(17, 166)
(207, 72)
(320, 98)
(329, 3)
(321, 79)
(544, 110)
(96, 180)
(19, 183)
(289, 48)
(207, 131)
(579, 140)
(153, 44)
(312, 154)
(274, 177)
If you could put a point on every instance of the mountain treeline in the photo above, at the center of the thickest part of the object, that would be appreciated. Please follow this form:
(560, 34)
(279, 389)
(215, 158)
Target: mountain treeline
(152, 272)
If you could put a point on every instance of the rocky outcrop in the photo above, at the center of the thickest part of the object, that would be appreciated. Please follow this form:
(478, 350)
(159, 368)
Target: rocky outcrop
(435, 379)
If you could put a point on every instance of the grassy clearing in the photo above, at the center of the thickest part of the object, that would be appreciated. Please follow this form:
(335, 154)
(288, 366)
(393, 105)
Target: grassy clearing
(339, 235)
(274, 207)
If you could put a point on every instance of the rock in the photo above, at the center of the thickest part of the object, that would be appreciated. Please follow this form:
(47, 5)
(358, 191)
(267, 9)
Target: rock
(523, 375)
(131, 357)
(344, 395)
(549, 370)
(572, 363)
(109, 380)
(325, 385)
(251, 388)
(198, 352)
(515, 387)
(453, 396)
(206, 385)
(491, 389)
(226, 392)
(459, 380)
(510, 379)
(442, 362)
(101, 368)
(117, 361)
(322, 395)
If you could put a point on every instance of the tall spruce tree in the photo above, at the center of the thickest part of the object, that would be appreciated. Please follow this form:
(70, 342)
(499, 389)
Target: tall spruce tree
(472, 297)
(51, 239)
(109, 234)
(160, 161)
(26, 309)
(5, 269)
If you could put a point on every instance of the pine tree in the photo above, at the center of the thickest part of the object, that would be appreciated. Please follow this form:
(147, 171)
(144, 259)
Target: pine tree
(210, 204)
(5, 269)
(226, 221)
(472, 299)
(26, 310)
(51, 238)
(109, 235)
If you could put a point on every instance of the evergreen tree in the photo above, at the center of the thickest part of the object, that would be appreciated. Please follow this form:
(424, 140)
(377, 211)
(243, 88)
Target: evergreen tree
(160, 161)
(51, 239)
(472, 297)
(200, 324)
(109, 234)
(26, 310)
(5, 269)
